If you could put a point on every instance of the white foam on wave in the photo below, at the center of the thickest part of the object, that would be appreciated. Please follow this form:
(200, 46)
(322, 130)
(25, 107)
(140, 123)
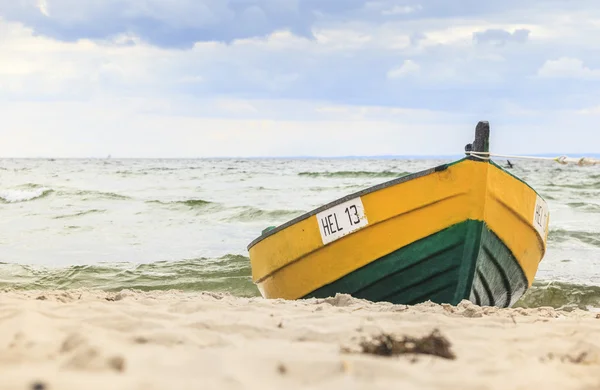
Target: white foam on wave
(15, 196)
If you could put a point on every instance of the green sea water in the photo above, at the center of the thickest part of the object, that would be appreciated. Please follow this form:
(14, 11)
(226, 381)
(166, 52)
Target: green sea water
(185, 224)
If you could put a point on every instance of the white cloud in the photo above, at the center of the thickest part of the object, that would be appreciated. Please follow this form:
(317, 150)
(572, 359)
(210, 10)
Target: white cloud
(279, 82)
(407, 68)
(461, 31)
(566, 67)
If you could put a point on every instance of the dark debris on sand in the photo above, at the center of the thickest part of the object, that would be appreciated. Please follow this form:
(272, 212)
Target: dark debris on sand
(387, 345)
(584, 358)
(39, 386)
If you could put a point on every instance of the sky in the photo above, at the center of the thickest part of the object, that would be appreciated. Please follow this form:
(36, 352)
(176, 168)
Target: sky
(204, 78)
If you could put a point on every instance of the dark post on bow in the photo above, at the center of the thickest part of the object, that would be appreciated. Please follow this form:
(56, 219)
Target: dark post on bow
(482, 141)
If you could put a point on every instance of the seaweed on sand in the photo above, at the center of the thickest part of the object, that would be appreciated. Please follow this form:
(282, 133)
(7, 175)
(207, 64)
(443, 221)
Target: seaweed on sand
(387, 345)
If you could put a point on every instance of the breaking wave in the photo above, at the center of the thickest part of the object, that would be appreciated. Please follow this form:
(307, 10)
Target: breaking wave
(563, 296)
(31, 191)
(230, 273)
(28, 193)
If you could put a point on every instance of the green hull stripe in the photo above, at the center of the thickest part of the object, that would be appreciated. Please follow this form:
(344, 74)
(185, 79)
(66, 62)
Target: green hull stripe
(464, 261)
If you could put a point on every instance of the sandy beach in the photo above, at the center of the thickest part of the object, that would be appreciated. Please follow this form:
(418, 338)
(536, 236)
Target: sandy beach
(172, 340)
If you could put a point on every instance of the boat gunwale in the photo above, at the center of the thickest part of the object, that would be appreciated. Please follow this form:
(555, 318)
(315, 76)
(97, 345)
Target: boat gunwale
(354, 195)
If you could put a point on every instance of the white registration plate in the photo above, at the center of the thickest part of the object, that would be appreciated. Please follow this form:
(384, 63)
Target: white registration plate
(338, 221)
(541, 214)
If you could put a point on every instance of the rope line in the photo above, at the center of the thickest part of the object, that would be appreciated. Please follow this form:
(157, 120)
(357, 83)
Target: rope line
(582, 161)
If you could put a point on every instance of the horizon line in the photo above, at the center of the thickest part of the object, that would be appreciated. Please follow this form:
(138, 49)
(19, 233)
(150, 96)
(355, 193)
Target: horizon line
(292, 157)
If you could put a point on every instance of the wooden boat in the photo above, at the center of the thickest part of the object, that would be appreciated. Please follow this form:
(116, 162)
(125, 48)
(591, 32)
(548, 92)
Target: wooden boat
(464, 230)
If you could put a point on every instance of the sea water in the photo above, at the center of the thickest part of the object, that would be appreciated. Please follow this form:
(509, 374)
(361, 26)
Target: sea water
(186, 223)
